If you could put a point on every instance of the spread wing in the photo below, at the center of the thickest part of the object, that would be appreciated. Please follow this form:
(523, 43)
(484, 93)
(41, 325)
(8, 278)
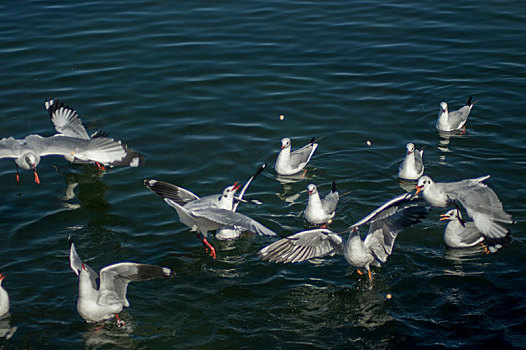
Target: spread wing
(114, 280)
(303, 246)
(11, 147)
(66, 120)
(230, 218)
(388, 220)
(245, 187)
(167, 190)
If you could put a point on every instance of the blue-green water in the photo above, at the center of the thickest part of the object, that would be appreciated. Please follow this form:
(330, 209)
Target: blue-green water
(198, 88)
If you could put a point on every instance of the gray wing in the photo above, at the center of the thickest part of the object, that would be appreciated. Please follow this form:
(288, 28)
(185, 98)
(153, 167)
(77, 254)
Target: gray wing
(231, 218)
(302, 155)
(458, 118)
(11, 147)
(76, 264)
(330, 202)
(419, 164)
(470, 233)
(114, 280)
(66, 120)
(303, 246)
(167, 190)
(386, 221)
(102, 150)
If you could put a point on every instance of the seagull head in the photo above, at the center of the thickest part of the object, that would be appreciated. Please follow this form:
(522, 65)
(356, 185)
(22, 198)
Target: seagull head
(32, 160)
(443, 107)
(312, 189)
(285, 143)
(410, 148)
(423, 183)
(230, 190)
(2, 276)
(450, 215)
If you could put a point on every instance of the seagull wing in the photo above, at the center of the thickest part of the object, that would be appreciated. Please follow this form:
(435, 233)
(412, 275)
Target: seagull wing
(114, 280)
(66, 120)
(302, 246)
(167, 190)
(301, 156)
(11, 147)
(76, 264)
(229, 218)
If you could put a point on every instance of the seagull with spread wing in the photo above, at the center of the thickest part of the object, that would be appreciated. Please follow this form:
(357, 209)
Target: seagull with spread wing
(385, 223)
(105, 300)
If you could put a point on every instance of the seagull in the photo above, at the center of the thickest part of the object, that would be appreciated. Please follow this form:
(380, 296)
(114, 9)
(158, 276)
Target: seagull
(68, 123)
(290, 163)
(412, 166)
(385, 223)
(460, 234)
(232, 232)
(208, 213)
(451, 121)
(99, 303)
(4, 299)
(318, 211)
(480, 201)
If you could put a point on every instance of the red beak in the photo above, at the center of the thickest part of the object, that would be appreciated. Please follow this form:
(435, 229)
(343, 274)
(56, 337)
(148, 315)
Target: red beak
(418, 189)
(2, 277)
(443, 217)
(236, 186)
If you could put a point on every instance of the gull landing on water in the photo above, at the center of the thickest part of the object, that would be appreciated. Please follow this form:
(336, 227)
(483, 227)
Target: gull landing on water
(292, 162)
(99, 303)
(460, 234)
(318, 211)
(412, 167)
(451, 121)
(385, 222)
(480, 201)
(206, 214)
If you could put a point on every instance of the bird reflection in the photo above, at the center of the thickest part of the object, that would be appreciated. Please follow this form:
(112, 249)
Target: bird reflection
(6, 331)
(88, 188)
(101, 335)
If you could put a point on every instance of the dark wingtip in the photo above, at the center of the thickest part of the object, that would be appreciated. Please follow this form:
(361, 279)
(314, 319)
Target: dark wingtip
(469, 101)
(146, 272)
(70, 240)
(260, 169)
(334, 189)
(313, 140)
(99, 133)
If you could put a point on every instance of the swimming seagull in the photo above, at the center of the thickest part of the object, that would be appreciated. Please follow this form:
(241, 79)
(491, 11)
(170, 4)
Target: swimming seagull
(232, 232)
(4, 299)
(480, 201)
(460, 234)
(68, 123)
(99, 303)
(412, 166)
(290, 163)
(451, 121)
(385, 223)
(320, 211)
(205, 214)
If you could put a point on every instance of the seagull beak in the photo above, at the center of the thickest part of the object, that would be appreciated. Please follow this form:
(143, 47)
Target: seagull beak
(236, 187)
(2, 277)
(418, 189)
(443, 217)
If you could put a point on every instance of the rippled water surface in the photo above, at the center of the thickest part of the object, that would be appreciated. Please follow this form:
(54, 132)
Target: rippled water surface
(198, 87)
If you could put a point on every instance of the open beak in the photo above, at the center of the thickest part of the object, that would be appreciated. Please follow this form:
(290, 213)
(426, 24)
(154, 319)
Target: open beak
(418, 189)
(2, 277)
(236, 187)
(443, 217)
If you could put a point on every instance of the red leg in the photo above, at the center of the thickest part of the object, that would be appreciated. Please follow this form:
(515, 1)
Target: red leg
(37, 180)
(207, 246)
(120, 322)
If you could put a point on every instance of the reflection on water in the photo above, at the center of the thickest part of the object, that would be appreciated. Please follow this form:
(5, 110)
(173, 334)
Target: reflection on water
(104, 334)
(460, 257)
(89, 188)
(6, 331)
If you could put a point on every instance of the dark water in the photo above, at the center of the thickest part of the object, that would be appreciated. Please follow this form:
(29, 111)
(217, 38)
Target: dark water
(198, 88)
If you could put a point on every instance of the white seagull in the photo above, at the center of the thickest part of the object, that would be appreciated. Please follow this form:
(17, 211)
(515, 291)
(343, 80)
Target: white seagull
(385, 223)
(232, 232)
(99, 303)
(290, 163)
(480, 201)
(318, 211)
(451, 121)
(412, 166)
(461, 234)
(4, 299)
(205, 214)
